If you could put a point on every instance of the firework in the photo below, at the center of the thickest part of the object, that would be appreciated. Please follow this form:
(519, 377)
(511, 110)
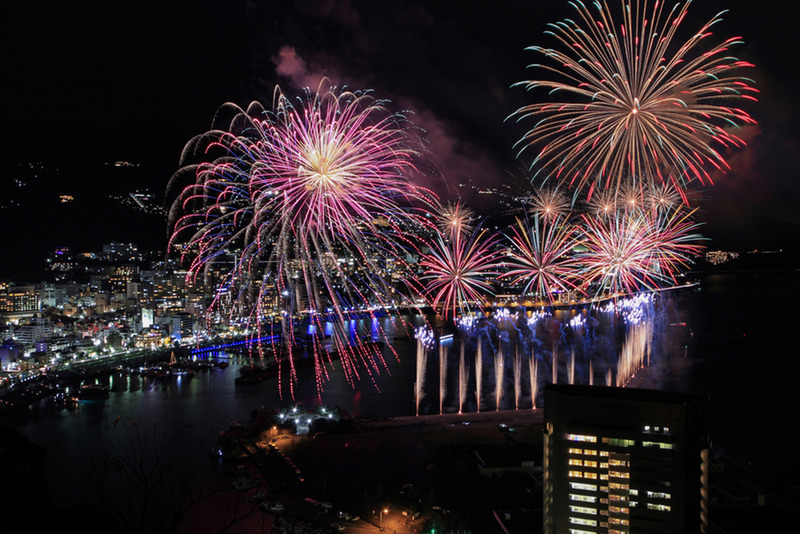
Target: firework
(455, 219)
(303, 211)
(630, 196)
(541, 259)
(675, 242)
(637, 250)
(630, 101)
(604, 203)
(662, 197)
(634, 309)
(549, 204)
(457, 274)
(619, 254)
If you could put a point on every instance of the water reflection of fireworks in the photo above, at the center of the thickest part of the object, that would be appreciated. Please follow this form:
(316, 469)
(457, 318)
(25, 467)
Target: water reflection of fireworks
(510, 349)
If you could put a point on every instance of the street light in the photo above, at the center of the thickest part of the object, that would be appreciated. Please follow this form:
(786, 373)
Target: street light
(384, 511)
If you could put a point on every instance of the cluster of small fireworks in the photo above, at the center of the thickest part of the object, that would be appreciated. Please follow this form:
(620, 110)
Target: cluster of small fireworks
(504, 315)
(425, 337)
(536, 317)
(633, 309)
(631, 250)
(578, 323)
(466, 322)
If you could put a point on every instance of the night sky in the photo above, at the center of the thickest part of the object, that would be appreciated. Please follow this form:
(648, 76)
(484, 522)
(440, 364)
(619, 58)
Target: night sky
(87, 83)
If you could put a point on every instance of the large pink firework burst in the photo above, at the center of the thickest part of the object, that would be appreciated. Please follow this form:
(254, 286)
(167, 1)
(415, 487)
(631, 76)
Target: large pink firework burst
(301, 214)
(458, 273)
(628, 100)
(541, 259)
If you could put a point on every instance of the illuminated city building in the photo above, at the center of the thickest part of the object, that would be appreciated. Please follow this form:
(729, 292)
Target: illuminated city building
(147, 317)
(624, 460)
(18, 303)
(169, 292)
(38, 328)
(182, 325)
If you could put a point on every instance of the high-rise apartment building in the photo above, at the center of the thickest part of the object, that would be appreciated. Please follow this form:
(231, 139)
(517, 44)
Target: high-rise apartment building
(623, 460)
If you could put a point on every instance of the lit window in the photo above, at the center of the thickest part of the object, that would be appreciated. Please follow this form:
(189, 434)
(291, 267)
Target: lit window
(658, 495)
(582, 486)
(658, 444)
(573, 461)
(589, 474)
(618, 442)
(575, 451)
(659, 507)
(582, 498)
(575, 474)
(581, 437)
(590, 463)
(582, 521)
(582, 510)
